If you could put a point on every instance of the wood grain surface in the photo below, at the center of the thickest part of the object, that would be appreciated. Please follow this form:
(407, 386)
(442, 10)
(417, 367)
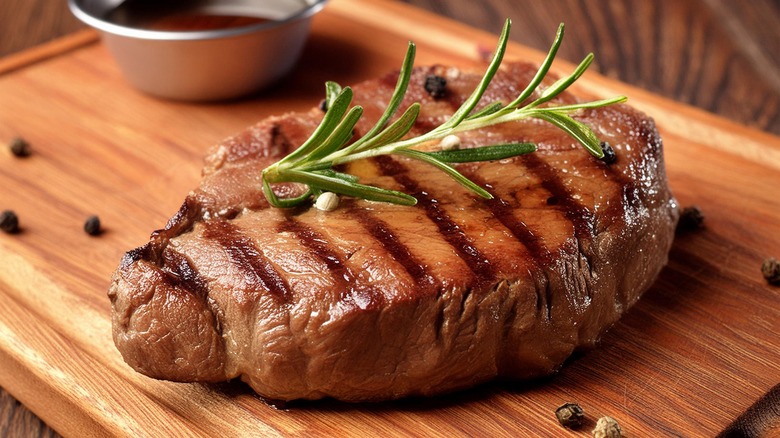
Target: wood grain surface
(720, 55)
(716, 55)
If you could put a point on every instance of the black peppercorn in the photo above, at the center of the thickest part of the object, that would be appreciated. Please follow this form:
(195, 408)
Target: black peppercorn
(9, 222)
(570, 415)
(92, 226)
(436, 86)
(609, 153)
(324, 105)
(20, 148)
(691, 218)
(771, 271)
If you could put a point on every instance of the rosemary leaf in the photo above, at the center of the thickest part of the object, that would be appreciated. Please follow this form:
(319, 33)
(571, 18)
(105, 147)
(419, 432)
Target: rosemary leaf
(348, 188)
(483, 153)
(340, 135)
(396, 130)
(562, 84)
(329, 123)
(543, 69)
(472, 101)
(578, 130)
(332, 91)
(449, 170)
(395, 101)
(340, 175)
(486, 111)
(594, 104)
(286, 202)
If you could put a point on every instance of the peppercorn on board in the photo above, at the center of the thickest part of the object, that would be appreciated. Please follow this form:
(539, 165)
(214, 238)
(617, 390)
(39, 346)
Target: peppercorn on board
(694, 353)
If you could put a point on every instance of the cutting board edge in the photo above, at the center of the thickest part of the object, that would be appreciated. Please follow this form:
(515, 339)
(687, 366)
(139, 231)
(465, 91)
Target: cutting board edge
(772, 140)
(42, 52)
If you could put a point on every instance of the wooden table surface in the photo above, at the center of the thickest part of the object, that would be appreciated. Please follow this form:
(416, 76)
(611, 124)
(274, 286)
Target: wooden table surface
(719, 55)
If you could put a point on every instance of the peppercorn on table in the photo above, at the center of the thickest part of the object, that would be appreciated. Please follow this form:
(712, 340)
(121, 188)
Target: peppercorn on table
(697, 350)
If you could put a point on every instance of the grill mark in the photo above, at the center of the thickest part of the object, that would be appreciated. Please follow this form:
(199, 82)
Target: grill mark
(364, 296)
(257, 269)
(315, 243)
(546, 302)
(380, 231)
(580, 216)
(180, 223)
(503, 211)
(183, 220)
(135, 255)
(280, 144)
(541, 256)
(181, 273)
(484, 272)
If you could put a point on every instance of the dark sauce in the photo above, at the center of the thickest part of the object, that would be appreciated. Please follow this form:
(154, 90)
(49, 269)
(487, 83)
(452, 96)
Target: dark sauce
(194, 21)
(177, 16)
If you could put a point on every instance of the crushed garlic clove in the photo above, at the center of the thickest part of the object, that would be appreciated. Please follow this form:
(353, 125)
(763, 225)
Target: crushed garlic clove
(607, 427)
(450, 142)
(328, 201)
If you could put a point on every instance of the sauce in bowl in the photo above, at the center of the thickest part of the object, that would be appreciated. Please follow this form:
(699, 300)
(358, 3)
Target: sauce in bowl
(178, 16)
(186, 21)
(201, 50)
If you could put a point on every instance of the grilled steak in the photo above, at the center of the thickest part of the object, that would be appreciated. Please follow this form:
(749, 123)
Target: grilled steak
(375, 301)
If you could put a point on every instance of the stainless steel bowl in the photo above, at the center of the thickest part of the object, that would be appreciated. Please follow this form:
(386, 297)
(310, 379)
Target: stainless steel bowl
(203, 65)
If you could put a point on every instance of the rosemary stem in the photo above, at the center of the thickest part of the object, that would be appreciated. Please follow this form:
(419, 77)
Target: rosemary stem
(313, 163)
(466, 125)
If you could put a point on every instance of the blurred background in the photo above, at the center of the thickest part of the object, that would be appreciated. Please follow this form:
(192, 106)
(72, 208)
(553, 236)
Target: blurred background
(719, 55)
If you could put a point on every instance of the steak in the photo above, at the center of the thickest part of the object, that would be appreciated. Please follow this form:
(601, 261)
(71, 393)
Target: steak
(375, 301)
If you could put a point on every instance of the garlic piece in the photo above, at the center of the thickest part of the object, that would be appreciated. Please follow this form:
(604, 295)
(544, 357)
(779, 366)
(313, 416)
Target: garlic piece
(328, 201)
(607, 427)
(450, 142)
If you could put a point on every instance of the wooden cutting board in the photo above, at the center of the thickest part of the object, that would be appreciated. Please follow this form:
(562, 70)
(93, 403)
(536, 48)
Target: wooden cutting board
(697, 350)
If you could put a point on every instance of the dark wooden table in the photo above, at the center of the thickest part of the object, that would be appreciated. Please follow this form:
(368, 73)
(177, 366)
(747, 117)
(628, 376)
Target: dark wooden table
(719, 55)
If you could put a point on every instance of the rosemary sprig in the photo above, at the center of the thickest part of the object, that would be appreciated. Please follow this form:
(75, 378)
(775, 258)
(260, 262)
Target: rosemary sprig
(313, 163)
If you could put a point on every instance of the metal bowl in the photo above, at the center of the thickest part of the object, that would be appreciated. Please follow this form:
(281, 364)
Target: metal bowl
(201, 65)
